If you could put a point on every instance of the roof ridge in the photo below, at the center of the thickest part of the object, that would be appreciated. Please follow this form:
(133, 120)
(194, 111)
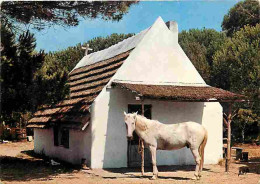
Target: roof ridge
(112, 51)
(160, 83)
(121, 41)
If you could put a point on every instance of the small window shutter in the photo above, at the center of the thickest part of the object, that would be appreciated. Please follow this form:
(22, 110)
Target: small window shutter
(56, 135)
(65, 138)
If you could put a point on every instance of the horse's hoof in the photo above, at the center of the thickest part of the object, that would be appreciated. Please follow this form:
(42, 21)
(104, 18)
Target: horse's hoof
(154, 177)
(196, 178)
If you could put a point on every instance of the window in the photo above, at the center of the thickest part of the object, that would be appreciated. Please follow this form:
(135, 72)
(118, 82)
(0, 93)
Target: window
(147, 113)
(138, 108)
(61, 136)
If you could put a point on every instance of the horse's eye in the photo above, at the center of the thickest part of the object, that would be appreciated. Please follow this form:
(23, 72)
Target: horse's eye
(133, 123)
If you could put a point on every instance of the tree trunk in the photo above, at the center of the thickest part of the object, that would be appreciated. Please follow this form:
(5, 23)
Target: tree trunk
(243, 134)
(228, 157)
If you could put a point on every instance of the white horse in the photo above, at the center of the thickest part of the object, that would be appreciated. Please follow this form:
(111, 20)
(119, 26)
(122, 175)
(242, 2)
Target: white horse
(161, 136)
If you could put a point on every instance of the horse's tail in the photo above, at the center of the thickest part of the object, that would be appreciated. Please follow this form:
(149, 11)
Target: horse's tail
(201, 149)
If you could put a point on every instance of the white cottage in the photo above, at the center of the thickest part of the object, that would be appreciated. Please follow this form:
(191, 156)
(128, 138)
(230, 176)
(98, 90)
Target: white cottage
(149, 67)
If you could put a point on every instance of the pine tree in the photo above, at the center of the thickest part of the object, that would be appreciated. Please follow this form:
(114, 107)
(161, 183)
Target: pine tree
(200, 46)
(243, 13)
(236, 67)
(19, 62)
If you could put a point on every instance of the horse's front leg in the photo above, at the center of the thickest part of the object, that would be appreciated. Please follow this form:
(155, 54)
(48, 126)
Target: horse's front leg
(153, 154)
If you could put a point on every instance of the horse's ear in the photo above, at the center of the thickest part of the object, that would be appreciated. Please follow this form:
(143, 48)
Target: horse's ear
(124, 113)
(135, 115)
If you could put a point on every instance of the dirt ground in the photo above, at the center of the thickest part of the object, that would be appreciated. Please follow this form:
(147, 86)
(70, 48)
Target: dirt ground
(20, 165)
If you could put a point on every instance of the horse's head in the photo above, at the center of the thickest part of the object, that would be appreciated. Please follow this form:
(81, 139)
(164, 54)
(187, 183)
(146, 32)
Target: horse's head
(130, 120)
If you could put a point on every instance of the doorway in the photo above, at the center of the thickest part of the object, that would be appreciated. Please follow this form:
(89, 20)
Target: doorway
(133, 157)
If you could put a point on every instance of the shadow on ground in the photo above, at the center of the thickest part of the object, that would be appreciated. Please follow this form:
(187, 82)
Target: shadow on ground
(160, 168)
(32, 167)
(149, 177)
(132, 172)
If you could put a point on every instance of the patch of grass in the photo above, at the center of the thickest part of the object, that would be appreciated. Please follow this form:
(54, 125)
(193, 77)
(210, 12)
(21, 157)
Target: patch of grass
(221, 162)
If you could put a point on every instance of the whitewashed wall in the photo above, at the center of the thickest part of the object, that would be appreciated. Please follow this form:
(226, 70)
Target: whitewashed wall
(159, 59)
(79, 145)
(109, 143)
(212, 120)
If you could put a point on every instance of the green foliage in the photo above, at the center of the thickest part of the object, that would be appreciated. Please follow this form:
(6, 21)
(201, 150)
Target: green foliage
(236, 67)
(243, 13)
(199, 46)
(19, 62)
(42, 14)
(246, 126)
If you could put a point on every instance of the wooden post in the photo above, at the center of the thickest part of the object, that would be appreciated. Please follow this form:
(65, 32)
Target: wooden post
(229, 119)
(142, 166)
(142, 145)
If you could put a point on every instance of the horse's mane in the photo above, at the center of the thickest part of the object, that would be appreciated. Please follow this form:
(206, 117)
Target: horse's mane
(144, 123)
(143, 118)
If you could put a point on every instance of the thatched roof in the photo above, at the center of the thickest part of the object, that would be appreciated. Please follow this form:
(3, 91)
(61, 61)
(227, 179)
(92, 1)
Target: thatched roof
(180, 93)
(85, 85)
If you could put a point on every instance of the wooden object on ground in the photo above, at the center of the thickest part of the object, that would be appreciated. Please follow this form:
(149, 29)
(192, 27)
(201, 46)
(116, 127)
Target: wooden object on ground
(30, 138)
(245, 156)
(238, 152)
(83, 164)
(20, 134)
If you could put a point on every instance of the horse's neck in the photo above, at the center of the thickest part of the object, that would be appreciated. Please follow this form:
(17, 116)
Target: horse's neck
(141, 125)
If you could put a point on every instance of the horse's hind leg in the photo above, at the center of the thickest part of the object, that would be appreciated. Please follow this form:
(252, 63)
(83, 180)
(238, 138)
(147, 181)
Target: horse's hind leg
(201, 160)
(153, 154)
(197, 158)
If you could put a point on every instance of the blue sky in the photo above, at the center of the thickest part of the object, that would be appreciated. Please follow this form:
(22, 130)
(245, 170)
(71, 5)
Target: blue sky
(188, 14)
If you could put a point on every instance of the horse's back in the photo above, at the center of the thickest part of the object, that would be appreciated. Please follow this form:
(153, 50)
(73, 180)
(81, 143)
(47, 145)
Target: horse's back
(179, 135)
(186, 127)
(193, 126)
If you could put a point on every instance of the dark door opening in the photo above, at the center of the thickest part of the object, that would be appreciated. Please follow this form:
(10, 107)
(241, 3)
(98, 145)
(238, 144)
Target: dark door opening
(133, 157)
